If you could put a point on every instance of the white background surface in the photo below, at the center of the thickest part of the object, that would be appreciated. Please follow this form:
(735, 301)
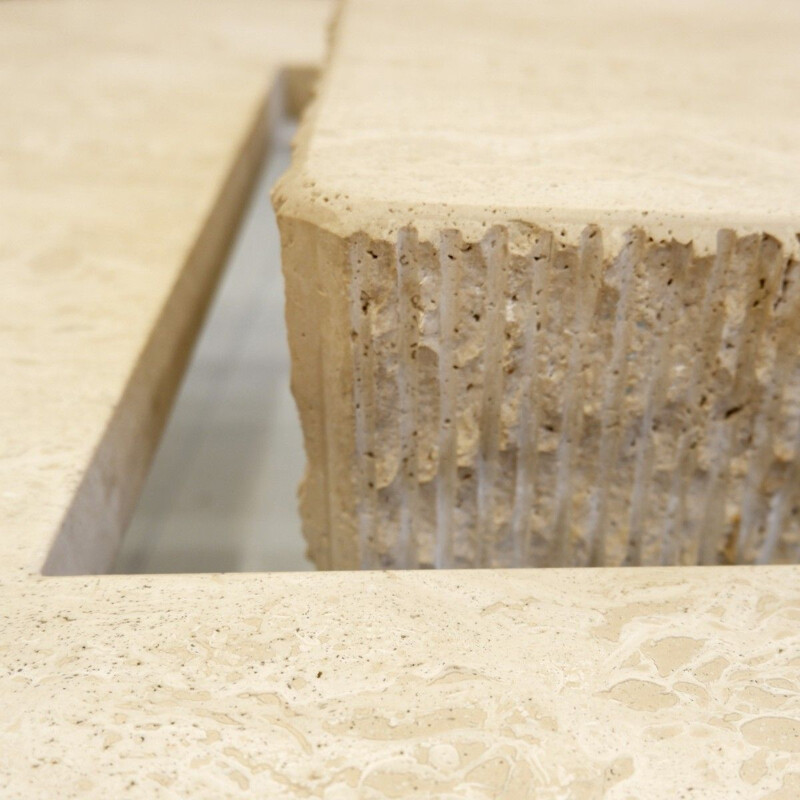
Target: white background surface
(221, 494)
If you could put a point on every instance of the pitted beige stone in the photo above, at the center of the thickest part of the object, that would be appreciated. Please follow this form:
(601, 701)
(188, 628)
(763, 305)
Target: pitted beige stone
(542, 287)
(636, 683)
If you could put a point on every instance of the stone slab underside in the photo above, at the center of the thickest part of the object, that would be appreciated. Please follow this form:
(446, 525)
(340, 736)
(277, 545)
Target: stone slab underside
(542, 285)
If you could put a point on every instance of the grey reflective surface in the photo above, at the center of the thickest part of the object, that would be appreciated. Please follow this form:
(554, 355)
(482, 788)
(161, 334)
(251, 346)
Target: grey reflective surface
(221, 494)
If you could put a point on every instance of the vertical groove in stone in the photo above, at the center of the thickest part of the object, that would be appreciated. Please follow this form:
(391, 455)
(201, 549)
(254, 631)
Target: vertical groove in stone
(655, 395)
(408, 287)
(759, 384)
(364, 398)
(449, 264)
(743, 340)
(494, 249)
(523, 402)
(587, 284)
(786, 308)
(540, 262)
(712, 521)
(428, 403)
(611, 417)
(705, 346)
(386, 325)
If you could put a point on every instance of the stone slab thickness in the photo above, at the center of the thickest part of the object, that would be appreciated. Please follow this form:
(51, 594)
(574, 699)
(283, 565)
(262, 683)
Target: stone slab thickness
(542, 287)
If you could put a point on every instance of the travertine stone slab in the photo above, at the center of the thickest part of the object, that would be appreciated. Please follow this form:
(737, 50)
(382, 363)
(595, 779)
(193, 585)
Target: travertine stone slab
(579, 684)
(524, 684)
(543, 294)
(130, 134)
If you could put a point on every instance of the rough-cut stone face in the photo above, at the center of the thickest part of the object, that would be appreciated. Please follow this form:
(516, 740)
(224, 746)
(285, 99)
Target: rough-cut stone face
(507, 386)
(516, 401)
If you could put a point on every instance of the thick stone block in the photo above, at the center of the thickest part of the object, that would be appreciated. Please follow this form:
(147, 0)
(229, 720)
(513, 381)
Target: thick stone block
(542, 288)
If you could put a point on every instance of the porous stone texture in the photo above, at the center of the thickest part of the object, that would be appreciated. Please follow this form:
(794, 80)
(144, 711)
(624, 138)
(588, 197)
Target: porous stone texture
(483, 684)
(648, 683)
(553, 378)
(519, 401)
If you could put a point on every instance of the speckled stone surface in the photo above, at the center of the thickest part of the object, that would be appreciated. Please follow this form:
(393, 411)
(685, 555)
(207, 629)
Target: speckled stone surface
(640, 683)
(543, 285)
(543, 684)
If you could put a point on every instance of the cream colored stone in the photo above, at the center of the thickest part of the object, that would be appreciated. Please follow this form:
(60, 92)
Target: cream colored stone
(148, 685)
(543, 294)
(339, 685)
(129, 136)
